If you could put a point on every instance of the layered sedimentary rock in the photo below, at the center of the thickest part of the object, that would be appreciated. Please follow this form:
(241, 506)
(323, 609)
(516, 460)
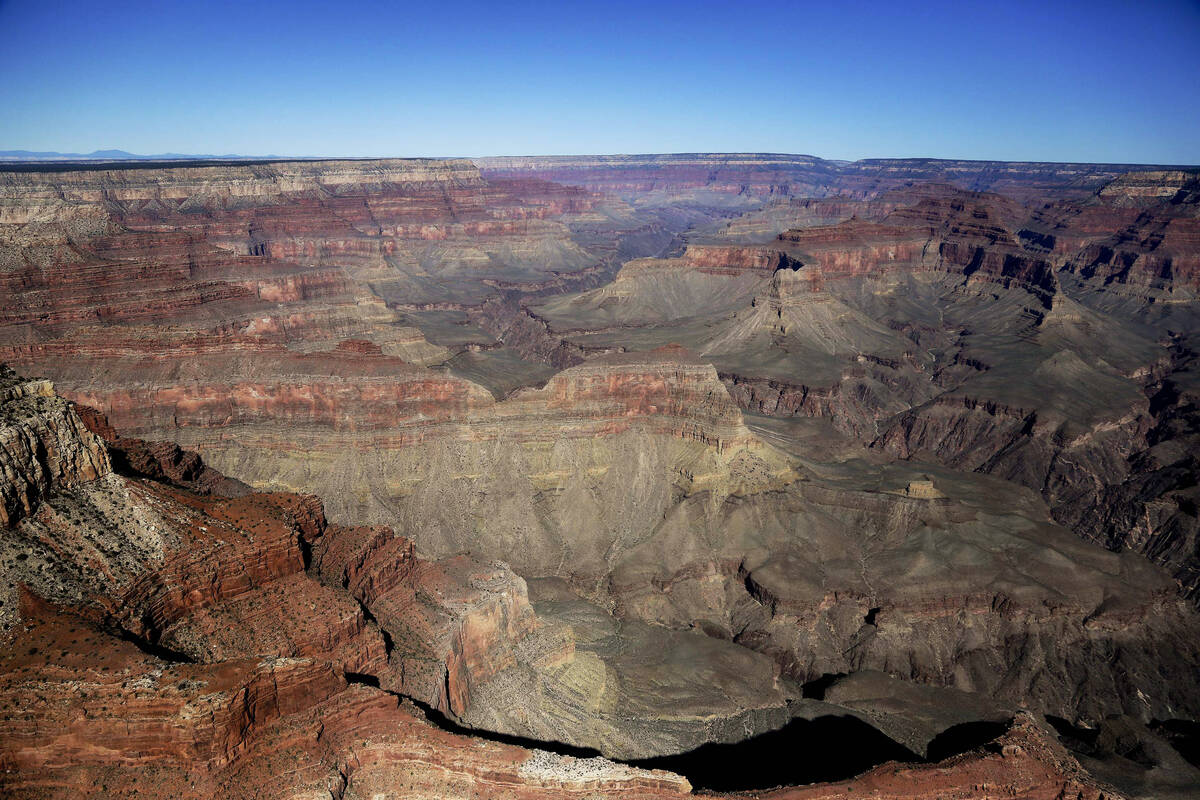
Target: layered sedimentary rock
(175, 563)
(94, 717)
(716, 510)
(963, 328)
(721, 534)
(541, 463)
(202, 658)
(719, 179)
(734, 179)
(294, 728)
(278, 230)
(300, 256)
(643, 516)
(42, 448)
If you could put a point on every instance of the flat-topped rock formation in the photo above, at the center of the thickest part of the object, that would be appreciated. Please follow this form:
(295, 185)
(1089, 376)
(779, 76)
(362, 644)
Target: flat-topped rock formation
(958, 327)
(729, 177)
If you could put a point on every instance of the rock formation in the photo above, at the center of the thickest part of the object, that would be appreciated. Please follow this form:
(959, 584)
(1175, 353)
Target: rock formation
(647, 458)
(200, 655)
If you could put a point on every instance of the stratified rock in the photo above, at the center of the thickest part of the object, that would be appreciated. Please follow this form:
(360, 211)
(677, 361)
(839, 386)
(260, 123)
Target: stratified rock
(207, 578)
(233, 662)
(87, 715)
(43, 447)
(733, 178)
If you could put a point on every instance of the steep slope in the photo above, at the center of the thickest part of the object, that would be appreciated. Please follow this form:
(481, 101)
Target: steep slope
(299, 256)
(183, 650)
(635, 477)
(208, 578)
(830, 477)
(1036, 344)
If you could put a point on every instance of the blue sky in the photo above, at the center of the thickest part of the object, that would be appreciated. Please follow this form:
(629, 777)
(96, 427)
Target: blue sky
(1096, 81)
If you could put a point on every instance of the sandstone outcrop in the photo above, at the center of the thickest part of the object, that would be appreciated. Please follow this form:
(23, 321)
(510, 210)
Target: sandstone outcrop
(295, 728)
(42, 447)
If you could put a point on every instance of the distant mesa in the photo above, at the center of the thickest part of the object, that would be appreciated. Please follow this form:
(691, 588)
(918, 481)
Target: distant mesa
(113, 155)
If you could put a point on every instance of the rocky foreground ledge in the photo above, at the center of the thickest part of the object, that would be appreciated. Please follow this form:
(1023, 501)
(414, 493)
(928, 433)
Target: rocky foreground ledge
(168, 633)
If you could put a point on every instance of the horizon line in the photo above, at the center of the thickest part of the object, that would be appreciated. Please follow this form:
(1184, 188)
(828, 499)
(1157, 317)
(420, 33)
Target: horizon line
(18, 157)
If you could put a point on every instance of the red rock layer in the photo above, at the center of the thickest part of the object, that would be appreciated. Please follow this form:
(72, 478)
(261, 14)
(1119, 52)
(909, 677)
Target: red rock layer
(732, 260)
(256, 688)
(238, 239)
(670, 391)
(969, 234)
(86, 715)
(450, 624)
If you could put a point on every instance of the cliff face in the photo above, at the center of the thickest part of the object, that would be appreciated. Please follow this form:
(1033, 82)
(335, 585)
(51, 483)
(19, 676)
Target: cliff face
(147, 242)
(293, 728)
(824, 420)
(276, 263)
(151, 728)
(965, 233)
(732, 178)
(1045, 345)
(164, 643)
(398, 445)
(196, 576)
(719, 536)
(42, 447)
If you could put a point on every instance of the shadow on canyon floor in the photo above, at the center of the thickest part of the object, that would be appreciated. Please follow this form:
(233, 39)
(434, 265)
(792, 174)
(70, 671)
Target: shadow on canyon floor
(804, 751)
(827, 748)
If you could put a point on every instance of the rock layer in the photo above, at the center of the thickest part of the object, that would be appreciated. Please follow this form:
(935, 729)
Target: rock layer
(838, 429)
(182, 668)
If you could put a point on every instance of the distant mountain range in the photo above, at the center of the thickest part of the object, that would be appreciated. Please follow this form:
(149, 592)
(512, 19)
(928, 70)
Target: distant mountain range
(112, 155)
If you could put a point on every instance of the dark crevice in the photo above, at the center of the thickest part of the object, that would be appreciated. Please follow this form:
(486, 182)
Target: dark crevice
(364, 679)
(1074, 737)
(388, 645)
(833, 748)
(816, 688)
(1184, 736)
(369, 617)
(149, 647)
(306, 551)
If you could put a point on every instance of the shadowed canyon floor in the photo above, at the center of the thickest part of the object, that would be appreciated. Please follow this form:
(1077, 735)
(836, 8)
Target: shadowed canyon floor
(637, 476)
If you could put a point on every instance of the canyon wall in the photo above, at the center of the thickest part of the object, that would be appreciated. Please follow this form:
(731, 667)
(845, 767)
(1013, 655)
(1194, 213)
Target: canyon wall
(636, 455)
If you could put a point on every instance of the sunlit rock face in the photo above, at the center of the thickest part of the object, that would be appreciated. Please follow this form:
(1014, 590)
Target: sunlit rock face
(623, 457)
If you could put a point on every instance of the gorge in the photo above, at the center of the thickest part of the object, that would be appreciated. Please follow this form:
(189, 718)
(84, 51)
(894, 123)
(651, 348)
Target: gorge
(628, 476)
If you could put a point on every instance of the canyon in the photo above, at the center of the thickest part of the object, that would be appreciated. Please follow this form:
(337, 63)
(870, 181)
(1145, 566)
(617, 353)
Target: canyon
(599, 476)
